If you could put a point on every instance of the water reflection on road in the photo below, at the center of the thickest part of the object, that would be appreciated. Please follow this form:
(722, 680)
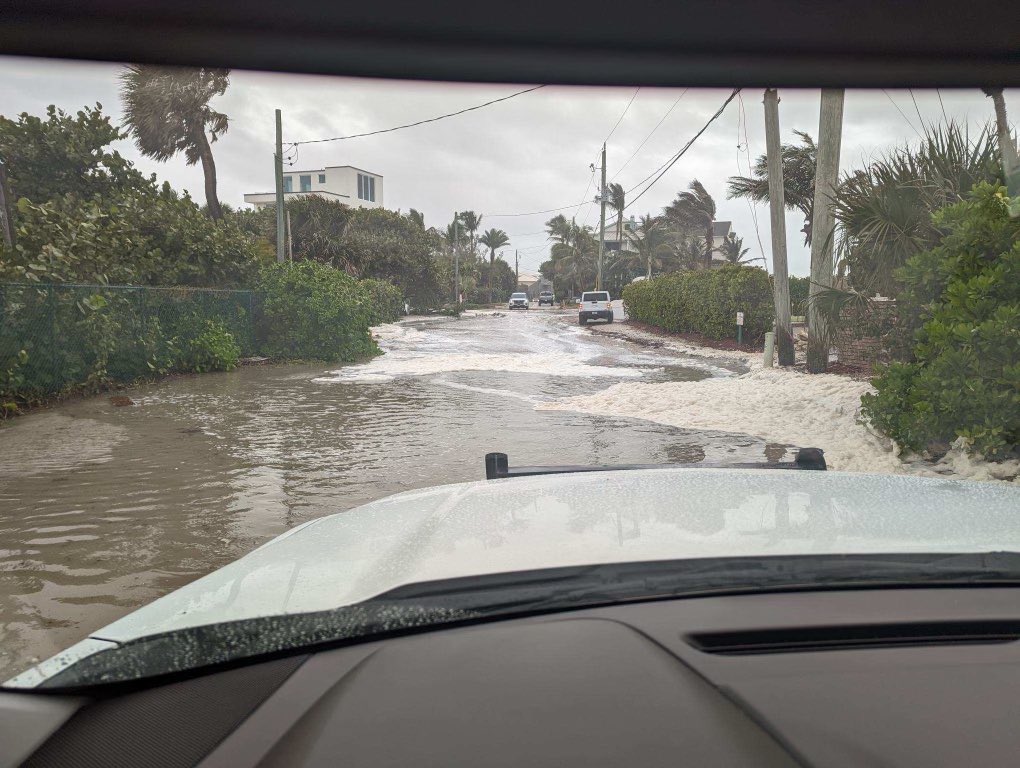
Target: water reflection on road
(104, 508)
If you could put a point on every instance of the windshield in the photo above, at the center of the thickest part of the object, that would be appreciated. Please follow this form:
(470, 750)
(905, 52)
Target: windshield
(207, 342)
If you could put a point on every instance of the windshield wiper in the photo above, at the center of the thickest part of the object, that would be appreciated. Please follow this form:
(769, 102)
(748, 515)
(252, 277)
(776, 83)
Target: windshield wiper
(450, 602)
(497, 465)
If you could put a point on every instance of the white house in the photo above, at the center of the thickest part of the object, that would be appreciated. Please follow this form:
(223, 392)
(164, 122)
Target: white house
(344, 183)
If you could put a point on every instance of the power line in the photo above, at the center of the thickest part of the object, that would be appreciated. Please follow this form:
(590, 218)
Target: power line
(916, 108)
(944, 117)
(902, 113)
(529, 213)
(420, 122)
(672, 161)
(650, 133)
(742, 124)
(625, 110)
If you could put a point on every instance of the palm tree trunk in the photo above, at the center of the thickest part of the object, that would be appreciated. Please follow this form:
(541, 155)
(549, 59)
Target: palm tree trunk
(492, 268)
(709, 246)
(1006, 146)
(209, 170)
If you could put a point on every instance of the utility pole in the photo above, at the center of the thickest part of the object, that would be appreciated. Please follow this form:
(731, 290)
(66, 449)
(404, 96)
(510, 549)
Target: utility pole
(456, 257)
(777, 203)
(602, 219)
(830, 135)
(280, 224)
(517, 266)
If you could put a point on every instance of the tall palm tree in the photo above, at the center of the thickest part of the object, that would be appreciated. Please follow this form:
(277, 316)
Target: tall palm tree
(167, 111)
(493, 239)
(1006, 146)
(799, 162)
(471, 222)
(617, 201)
(694, 212)
(734, 251)
(651, 240)
(417, 217)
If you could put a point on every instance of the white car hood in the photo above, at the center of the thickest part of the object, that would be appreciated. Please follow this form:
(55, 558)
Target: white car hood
(576, 519)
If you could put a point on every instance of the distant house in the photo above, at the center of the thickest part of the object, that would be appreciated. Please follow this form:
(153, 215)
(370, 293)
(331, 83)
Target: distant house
(532, 283)
(630, 225)
(722, 231)
(344, 183)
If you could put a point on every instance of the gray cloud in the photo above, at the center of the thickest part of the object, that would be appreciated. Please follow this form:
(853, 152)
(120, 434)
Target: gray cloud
(527, 154)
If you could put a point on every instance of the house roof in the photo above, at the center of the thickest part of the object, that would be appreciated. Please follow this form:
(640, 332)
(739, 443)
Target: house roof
(721, 228)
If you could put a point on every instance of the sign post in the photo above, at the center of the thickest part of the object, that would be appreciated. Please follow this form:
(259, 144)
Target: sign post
(740, 327)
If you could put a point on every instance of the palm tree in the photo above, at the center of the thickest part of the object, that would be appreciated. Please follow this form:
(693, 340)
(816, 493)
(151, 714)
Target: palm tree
(884, 212)
(471, 222)
(1006, 146)
(651, 239)
(167, 111)
(694, 211)
(799, 162)
(617, 200)
(417, 217)
(734, 251)
(493, 239)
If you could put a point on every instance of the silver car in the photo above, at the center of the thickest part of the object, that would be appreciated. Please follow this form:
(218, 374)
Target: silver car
(518, 301)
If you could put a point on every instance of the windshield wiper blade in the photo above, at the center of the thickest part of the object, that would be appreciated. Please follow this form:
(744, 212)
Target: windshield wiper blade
(497, 465)
(450, 602)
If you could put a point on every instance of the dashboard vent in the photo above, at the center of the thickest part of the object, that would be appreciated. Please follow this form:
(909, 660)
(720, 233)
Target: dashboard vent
(854, 636)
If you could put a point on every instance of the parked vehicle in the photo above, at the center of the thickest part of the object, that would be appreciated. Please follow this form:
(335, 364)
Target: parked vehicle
(546, 297)
(595, 305)
(518, 301)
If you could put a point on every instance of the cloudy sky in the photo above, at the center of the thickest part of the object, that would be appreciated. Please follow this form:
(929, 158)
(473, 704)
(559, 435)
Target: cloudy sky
(527, 154)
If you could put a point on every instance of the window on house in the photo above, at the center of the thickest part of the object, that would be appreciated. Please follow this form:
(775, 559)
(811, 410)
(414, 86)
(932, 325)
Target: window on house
(322, 178)
(366, 187)
(288, 183)
(306, 183)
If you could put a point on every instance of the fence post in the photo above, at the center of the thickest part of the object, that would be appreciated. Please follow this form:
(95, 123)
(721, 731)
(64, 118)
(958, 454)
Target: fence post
(54, 363)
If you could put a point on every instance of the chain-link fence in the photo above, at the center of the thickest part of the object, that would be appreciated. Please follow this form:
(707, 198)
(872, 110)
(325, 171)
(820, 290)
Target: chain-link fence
(57, 337)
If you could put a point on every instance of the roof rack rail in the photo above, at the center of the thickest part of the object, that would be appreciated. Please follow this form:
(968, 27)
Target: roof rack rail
(497, 465)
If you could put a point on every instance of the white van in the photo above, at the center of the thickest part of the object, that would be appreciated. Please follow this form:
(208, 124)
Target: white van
(595, 305)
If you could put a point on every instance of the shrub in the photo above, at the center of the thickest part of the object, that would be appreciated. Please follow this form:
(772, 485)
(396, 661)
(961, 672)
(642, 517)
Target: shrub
(386, 303)
(705, 302)
(212, 349)
(310, 311)
(965, 377)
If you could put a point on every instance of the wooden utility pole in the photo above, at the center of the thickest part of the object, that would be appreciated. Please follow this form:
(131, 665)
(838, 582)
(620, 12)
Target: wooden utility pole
(602, 219)
(456, 257)
(281, 246)
(830, 136)
(6, 220)
(777, 210)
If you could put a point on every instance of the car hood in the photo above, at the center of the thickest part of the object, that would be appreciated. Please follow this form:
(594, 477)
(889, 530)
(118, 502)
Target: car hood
(576, 519)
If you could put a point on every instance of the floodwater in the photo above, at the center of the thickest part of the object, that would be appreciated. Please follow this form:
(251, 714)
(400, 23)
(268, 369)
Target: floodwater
(104, 508)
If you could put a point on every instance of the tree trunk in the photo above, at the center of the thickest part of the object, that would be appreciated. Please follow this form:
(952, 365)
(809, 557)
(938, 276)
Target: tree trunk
(709, 246)
(209, 169)
(492, 268)
(1006, 147)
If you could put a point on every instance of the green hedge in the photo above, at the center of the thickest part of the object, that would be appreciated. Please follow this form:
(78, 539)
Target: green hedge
(705, 302)
(386, 301)
(310, 311)
(965, 377)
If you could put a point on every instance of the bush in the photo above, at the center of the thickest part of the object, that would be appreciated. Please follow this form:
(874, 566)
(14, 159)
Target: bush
(213, 349)
(705, 302)
(310, 311)
(799, 287)
(386, 301)
(965, 377)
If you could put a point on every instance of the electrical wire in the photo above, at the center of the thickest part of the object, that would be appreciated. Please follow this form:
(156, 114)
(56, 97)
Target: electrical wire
(650, 133)
(742, 125)
(620, 120)
(902, 113)
(944, 116)
(661, 171)
(916, 108)
(420, 122)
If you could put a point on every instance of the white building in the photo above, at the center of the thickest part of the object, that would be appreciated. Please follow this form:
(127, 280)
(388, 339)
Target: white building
(343, 183)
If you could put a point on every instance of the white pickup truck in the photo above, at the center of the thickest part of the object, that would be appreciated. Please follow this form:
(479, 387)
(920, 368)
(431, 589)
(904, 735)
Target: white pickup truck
(595, 305)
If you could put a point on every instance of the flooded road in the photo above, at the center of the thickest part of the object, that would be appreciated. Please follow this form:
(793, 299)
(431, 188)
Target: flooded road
(105, 508)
